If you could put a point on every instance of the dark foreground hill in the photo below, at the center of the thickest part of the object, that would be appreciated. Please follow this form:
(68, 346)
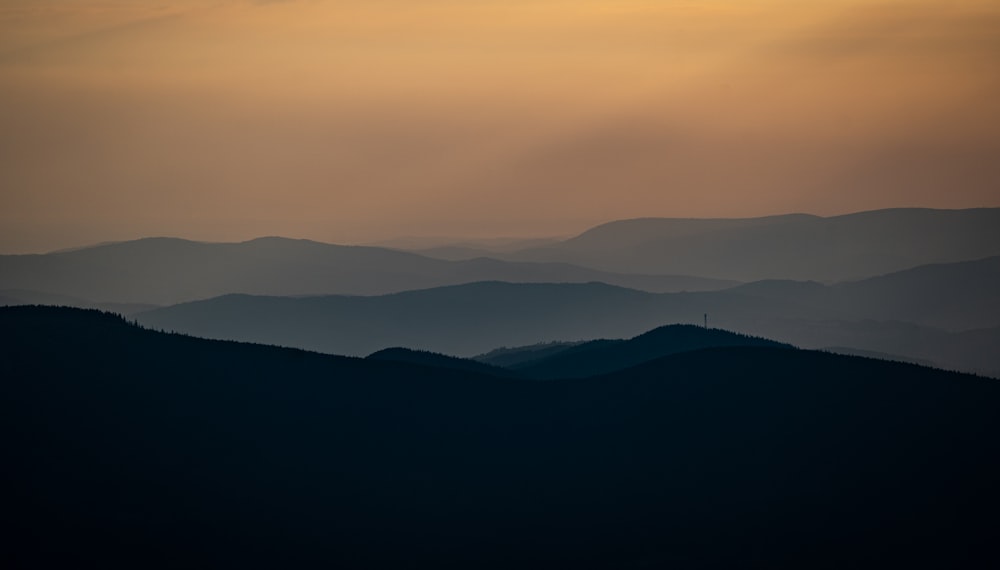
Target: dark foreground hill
(130, 448)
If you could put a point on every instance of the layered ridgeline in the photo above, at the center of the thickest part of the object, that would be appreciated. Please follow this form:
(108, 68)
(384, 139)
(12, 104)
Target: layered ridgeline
(165, 271)
(656, 255)
(948, 314)
(798, 246)
(126, 447)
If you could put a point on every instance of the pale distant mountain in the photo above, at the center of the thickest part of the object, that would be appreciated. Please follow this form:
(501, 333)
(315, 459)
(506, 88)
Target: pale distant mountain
(456, 252)
(655, 255)
(918, 313)
(798, 246)
(462, 320)
(952, 296)
(483, 246)
(970, 351)
(166, 270)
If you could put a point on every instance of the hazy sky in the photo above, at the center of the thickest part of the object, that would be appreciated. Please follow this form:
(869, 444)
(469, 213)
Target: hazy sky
(358, 120)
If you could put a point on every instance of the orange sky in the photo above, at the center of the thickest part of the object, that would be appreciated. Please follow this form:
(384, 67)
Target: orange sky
(359, 120)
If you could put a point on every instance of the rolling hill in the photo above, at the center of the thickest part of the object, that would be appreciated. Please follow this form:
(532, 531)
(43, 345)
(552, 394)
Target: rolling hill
(561, 360)
(605, 356)
(126, 447)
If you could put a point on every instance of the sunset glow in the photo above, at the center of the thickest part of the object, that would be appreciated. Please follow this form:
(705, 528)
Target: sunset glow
(355, 121)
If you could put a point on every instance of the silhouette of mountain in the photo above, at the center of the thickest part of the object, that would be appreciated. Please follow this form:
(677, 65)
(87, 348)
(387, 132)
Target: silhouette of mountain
(438, 360)
(166, 271)
(799, 247)
(125, 447)
(603, 356)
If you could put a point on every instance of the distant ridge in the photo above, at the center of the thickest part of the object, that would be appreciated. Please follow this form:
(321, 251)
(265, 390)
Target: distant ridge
(460, 320)
(163, 271)
(794, 246)
(650, 254)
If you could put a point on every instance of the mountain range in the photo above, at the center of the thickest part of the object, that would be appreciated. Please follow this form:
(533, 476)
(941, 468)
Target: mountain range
(163, 271)
(654, 255)
(945, 313)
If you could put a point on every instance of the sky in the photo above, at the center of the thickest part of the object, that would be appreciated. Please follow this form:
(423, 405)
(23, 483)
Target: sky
(356, 121)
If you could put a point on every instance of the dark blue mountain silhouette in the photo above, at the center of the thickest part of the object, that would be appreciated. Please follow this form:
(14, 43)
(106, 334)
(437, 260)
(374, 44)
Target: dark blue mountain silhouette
(125, 447)
(605, 356)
